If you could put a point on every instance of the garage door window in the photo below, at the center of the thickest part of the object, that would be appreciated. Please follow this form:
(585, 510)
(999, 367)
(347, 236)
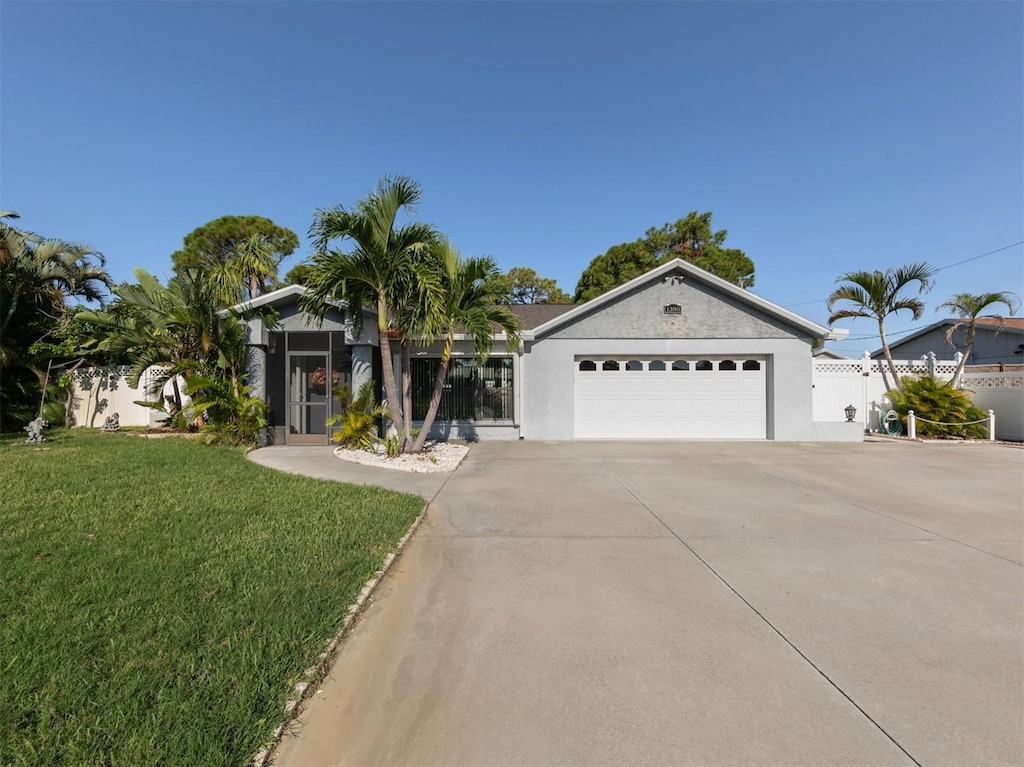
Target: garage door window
(751, 365)
(704, 365)
(726, 365)
(656, 365)
(679, 365)
(609, 365)
(588, 366)
(634, 365)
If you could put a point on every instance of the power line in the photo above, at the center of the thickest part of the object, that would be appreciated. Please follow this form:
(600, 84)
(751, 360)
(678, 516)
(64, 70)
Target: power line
(975, 258)
(887, 335)
(940, 269)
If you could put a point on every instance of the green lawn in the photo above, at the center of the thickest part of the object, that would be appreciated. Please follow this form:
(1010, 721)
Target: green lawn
(159, 598)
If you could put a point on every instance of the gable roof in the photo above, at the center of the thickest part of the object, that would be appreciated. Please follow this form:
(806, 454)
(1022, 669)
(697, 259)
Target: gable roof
(283, 296)
(678, 265)
(1008, 323)
(1012, 325)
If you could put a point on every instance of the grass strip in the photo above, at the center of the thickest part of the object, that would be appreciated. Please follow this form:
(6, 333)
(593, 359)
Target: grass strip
(159, 598)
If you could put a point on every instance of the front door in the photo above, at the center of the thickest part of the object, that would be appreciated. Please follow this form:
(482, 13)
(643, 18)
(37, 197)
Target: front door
(309, 392)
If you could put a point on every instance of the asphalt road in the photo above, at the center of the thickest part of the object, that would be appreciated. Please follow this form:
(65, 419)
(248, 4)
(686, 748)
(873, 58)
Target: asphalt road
(693, 603)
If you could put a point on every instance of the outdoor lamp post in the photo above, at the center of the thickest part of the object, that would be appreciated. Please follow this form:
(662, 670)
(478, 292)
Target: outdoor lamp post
(851, 413)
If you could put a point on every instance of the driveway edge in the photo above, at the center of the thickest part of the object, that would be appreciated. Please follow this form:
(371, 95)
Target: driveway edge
(313, 675)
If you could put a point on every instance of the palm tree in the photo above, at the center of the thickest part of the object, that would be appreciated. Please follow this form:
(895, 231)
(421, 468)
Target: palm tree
(37, 277)
(470, 289)
(175, 327)
(878, 294)
(247, 274)
(381, 271)
(45, 272)
(970, 308)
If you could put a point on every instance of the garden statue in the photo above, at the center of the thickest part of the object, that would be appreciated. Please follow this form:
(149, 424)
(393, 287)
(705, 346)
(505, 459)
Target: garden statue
(35, 431)
(111, 423)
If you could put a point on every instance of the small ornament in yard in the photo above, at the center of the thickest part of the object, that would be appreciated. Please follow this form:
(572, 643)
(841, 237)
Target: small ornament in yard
(35, 431)
(111, 423)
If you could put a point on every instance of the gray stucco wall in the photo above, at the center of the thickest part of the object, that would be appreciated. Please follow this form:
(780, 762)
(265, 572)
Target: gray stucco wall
(709, 324)
(705, 313)
(989, 348)
(290, 318)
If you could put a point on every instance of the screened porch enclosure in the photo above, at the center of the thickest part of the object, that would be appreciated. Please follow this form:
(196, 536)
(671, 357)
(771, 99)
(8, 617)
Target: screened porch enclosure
(303, 368)
(478, 392)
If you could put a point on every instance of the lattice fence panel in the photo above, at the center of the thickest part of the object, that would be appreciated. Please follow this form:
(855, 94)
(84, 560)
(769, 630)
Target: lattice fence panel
(1005, 382)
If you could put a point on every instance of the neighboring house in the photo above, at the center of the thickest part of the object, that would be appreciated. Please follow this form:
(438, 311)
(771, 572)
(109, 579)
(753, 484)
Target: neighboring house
(824, 353)
(676, 353)
(992, 343)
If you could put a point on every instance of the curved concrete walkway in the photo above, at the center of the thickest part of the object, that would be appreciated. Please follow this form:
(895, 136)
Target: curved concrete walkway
(320, 462)
(691, 603)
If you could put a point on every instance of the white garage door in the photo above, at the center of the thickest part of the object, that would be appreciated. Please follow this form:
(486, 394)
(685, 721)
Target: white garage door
(671, 398)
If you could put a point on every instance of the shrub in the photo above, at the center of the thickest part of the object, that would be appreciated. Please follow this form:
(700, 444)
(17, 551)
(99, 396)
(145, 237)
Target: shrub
(938, 401)
(232, 416)
(358, 418)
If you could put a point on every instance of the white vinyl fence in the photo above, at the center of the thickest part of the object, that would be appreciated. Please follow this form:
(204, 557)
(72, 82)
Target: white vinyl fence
(101, 392)
(863, 384)
(1003, 394)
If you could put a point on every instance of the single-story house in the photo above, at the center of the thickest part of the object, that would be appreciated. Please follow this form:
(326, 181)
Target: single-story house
(676, 353)
(994, 342)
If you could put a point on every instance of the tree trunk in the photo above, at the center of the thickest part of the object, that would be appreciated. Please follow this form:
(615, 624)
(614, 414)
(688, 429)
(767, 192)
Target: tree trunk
(435, 397)
(407, 393)
(888, 356)
(177, 394)
(390, 385)
(955, 381)
(10, 310)
(69, 403)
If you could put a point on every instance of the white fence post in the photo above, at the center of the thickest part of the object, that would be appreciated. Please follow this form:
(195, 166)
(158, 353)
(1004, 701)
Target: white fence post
(991, 426)
(911, 425)
(956, 382)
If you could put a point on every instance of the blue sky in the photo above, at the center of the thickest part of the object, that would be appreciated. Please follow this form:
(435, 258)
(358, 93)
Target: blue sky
(826, 137)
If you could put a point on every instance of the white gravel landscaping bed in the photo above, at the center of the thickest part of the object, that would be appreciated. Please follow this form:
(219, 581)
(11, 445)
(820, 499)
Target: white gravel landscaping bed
(436, 456)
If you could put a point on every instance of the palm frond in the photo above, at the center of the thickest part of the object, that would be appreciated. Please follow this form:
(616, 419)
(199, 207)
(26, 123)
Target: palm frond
(914, 305)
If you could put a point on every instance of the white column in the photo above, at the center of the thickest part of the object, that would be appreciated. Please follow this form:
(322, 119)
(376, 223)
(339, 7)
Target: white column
(991, 425)
(911, 425)
(256, 357)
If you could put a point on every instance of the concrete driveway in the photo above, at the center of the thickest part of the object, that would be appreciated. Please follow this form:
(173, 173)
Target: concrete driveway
(694, 603)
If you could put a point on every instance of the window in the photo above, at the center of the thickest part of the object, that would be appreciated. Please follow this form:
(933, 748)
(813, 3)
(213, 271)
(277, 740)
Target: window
(704, 365)
(588, 366)
(726, 365)
(633, 365)
(656, 365)
(751, 365)
(680, 365)
(471, 392)
(301, 341)
(610, 365)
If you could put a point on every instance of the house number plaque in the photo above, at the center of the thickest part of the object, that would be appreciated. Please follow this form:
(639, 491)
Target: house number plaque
(673, 309)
